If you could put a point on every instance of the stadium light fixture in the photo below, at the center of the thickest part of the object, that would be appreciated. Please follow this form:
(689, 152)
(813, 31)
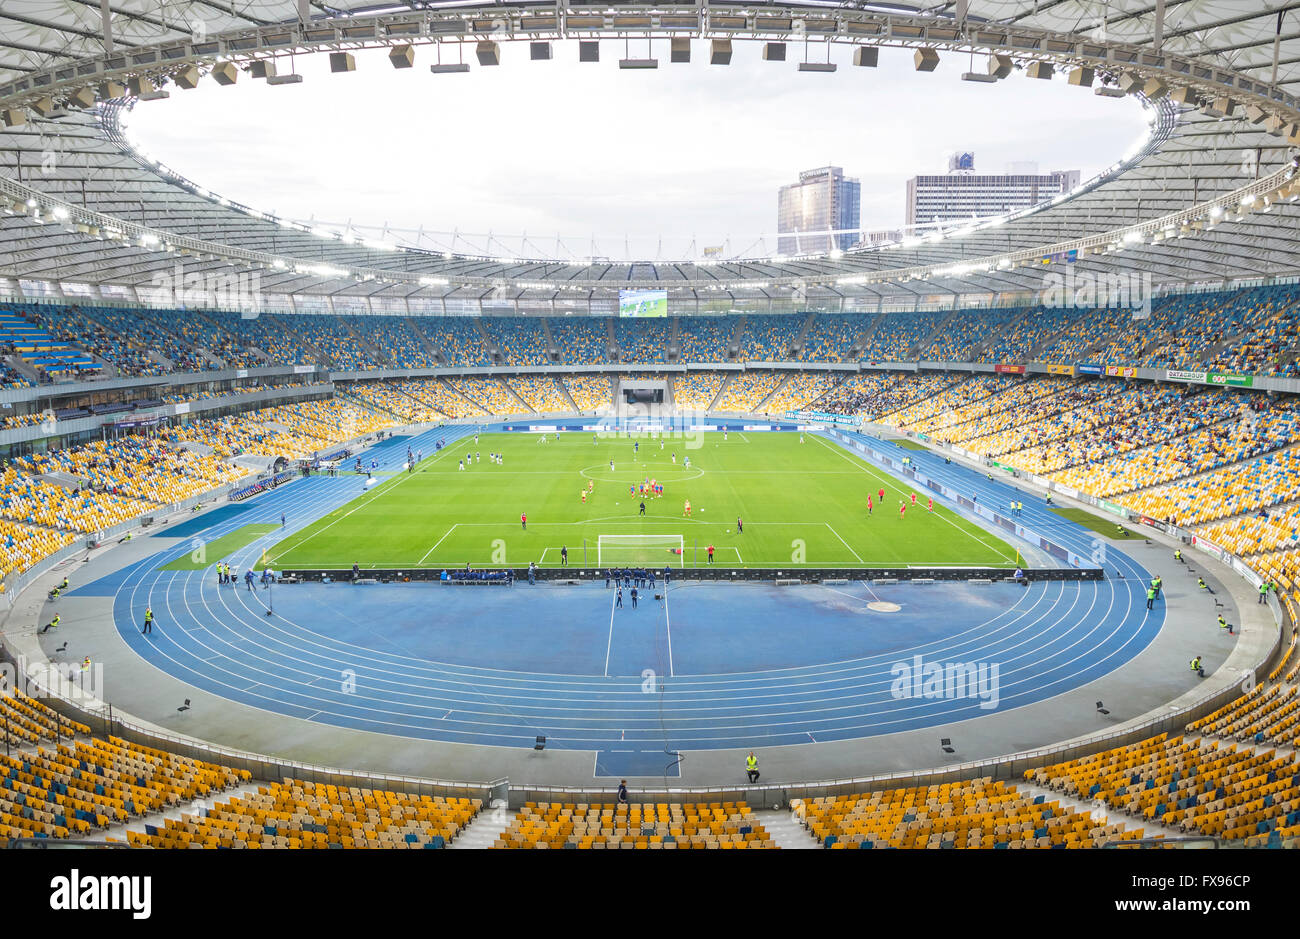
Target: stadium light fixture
(589, 50)
(866, 56)
(291, 79)
(402, 56)
(539, 51)
(1040, 70)
(720, 52)
(488, 52)
(1081, 77)
(982, 77)
(224, 73)
(342, 62)
(926, 60)
(187, 78)
(773, 52)
(816, 66)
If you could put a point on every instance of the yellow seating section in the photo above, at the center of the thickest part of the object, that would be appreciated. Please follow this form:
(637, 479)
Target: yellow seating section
(298, 814)
(976, 813)
(671, 826)
(589, 392)
(746, 390)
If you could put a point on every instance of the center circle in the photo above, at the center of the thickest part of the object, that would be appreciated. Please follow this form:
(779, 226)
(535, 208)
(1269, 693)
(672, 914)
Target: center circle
(589, 473)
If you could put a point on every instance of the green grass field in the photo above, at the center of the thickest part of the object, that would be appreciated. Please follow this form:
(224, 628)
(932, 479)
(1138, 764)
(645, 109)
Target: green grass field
(1102, 526)
(220, 548)
(803, 504)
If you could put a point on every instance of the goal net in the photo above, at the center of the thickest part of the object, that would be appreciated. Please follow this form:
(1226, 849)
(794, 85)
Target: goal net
(640, 551)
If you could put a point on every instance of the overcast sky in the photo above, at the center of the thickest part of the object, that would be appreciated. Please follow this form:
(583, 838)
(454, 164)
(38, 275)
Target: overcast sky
(547, 148)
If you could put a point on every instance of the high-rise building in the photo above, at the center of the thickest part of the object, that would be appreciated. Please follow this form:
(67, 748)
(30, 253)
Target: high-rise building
(824, 200)
(962, 193)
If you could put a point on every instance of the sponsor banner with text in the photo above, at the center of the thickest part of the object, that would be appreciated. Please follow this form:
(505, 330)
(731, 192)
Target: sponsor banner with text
(1088, 369)
(1122, 371)
(821, 417)
(1209, 547)
(1236, 381)
(1005, 369)
(1178, 374)
(1113, 508)
(1060, 369)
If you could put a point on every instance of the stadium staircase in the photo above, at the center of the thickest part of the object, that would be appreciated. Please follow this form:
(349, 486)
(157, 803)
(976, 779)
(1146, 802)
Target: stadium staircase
(914, 352)
(612, 350)
(314, 354)
(758, 406)
(1205, 472)
(19, 365)
(871, 323)
(528, 408)
(484, 828)
(378, 356)
(1241, 337)
(483, 336)
(1032, 353)
(369, 405)
(552, 351)
(737, 338)
(425, 342)
(460, 393)
(795, 349)
(785, 830)
(564, 390)
(722, 389)
(422, 402)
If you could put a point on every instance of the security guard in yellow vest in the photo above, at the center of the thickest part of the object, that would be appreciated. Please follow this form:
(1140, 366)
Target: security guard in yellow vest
(51, 624)
(148, 620)
(751, 767)
(1196, 666)
(1224, 624)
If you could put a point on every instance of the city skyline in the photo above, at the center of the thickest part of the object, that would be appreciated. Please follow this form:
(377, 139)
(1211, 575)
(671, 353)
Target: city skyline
(688, 151)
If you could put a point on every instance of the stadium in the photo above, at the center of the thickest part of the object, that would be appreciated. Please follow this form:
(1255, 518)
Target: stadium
(984, 536)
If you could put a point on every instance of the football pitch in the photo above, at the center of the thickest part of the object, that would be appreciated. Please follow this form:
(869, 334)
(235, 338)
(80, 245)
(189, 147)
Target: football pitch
(802, 505)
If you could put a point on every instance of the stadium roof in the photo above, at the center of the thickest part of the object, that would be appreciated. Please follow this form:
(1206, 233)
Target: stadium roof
(1206, 200)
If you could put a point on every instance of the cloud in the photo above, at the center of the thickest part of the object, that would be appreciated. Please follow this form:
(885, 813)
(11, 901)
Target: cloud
(581, 149)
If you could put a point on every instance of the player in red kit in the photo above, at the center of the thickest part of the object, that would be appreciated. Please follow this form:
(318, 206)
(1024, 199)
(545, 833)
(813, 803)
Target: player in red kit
(914, 498)
(523, 520)
(868, 505)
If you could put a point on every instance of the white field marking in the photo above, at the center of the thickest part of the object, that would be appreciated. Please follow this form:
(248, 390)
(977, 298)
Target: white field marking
(375, 493)
(851, 596)
(668, 628)
(890, 483)
(843, 542)
(609, 644)
(436, 543)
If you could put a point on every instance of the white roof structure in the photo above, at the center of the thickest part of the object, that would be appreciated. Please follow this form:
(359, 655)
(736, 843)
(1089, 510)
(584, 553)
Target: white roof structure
(1207, 199)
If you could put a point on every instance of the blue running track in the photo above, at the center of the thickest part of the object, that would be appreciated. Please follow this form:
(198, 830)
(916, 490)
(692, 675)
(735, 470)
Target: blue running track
(710, 666)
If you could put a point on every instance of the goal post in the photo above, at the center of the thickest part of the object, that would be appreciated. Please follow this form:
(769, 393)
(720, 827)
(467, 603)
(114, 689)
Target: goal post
(654, 551)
